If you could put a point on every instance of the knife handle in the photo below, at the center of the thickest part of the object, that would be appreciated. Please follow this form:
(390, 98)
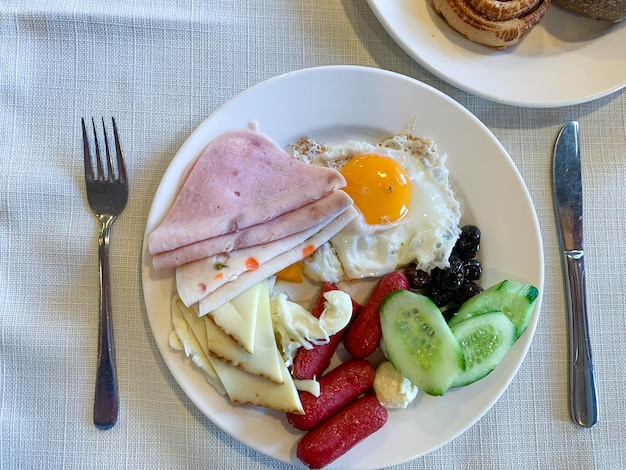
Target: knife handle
(583, 399)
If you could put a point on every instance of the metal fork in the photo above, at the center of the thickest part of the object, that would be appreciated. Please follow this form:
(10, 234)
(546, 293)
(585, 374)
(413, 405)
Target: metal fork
(107, 193)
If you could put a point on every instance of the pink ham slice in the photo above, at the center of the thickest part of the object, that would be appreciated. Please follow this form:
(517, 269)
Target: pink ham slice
(230, 290)
(197, 279)
(242, 179)
(297, 221)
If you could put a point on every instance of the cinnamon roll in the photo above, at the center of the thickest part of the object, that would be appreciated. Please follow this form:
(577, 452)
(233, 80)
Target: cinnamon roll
(494, 23)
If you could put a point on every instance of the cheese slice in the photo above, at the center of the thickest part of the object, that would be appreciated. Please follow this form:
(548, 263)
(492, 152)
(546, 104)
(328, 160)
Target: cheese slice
(192, 335)
(238, 318)
(247, 389)
(264, 362)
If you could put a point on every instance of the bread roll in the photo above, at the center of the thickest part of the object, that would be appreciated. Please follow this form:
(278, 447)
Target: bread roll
(610, 10)
(494, 23)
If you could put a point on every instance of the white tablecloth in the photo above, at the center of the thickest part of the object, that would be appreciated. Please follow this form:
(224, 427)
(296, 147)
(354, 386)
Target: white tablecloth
(161, 67)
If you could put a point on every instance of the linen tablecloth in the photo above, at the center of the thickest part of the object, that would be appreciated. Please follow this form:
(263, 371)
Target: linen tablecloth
(161, 67)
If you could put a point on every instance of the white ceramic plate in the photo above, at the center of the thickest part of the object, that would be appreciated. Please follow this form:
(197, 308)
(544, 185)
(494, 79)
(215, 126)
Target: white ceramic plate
(335, 104)
(567, 59)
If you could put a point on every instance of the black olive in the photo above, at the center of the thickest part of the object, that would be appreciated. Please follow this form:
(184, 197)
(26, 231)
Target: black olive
(468, 244)
(435, 276)
(418, 278)
(468, 290)
(473, 269)
(441, 297)
(451, 277)
(471, 232)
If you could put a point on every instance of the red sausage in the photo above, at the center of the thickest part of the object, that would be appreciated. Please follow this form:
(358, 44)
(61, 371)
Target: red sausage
(363, 335)
(337, 388)
(311, 363)
(336, 436)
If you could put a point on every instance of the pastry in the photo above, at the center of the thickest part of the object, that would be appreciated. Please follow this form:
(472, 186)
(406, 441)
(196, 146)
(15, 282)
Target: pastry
(494, 23)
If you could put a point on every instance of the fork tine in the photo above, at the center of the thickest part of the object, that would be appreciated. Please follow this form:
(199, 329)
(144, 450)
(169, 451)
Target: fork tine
(121, 168)
(98, 155)
(110, 177)
(87, 153)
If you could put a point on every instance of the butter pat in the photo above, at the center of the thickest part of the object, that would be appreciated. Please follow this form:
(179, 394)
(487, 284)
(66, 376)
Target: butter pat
(392, 389)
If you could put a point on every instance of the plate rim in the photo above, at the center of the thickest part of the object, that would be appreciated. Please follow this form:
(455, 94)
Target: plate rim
(294, 75)
(377, 8)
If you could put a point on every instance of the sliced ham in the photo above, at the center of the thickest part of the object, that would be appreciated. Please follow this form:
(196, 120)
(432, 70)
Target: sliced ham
(230, 290)
(317, 213)
(196, 279)
(241, 179)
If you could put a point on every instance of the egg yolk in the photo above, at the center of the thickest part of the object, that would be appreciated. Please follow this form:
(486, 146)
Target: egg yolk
(292, 273)
(379, 187)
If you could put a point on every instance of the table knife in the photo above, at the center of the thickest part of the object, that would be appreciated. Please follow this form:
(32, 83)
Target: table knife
(568, 207)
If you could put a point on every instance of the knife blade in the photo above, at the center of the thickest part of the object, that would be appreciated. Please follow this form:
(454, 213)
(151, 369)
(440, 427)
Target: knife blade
(568, 207)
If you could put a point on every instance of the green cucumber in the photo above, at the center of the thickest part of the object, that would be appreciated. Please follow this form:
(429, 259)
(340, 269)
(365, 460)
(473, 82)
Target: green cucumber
(419, 342)
(515, 299)
(484, 339)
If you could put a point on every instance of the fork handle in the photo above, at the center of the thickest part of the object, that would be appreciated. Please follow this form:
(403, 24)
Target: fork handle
(106, 401)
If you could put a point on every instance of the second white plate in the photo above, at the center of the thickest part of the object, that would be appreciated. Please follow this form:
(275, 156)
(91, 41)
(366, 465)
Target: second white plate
(567, 59)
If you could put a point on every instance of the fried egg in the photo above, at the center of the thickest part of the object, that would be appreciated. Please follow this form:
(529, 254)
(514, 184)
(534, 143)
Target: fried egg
(407, 208)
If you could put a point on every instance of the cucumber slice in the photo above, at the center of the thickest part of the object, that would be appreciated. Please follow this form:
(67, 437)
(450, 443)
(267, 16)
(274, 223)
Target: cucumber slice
(484, 339)
(419, 342)
(515, 299)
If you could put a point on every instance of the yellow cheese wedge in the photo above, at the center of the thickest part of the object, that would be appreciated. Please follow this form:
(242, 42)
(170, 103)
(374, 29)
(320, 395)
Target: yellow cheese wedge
(192, 334)
(264, 362)
(248, 389)
(238, 317)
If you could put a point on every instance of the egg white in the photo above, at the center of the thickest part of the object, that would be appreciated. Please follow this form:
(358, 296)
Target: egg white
(426, 234)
